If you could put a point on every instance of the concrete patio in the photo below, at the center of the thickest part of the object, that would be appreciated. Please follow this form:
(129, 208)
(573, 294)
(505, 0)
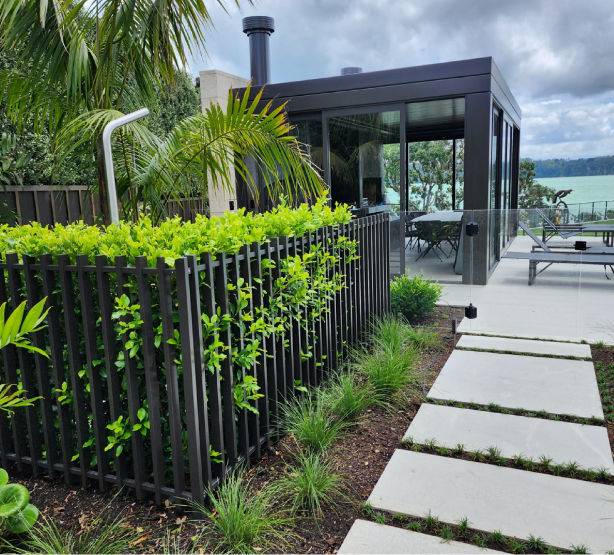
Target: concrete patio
(567, 302)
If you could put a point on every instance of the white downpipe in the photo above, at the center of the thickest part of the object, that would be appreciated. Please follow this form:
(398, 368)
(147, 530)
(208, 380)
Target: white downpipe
(108, 157)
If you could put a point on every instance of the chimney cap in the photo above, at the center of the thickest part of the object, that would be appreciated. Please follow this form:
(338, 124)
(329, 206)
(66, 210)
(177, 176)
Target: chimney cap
(351, 70)
(258, 23)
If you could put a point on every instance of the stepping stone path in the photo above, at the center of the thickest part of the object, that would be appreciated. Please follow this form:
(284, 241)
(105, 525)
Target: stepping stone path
(519, 503)
(563, 442)
(368, 537)
(503, 344)
(558, 386)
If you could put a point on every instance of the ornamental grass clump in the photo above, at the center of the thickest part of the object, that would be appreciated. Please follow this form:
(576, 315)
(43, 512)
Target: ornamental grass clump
(242, 520)
(310, 420)
(388, 371)
(172, 238)
(348, 396)
(311, 483)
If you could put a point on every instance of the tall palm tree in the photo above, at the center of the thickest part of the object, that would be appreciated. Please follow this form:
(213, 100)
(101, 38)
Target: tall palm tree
(81, 61)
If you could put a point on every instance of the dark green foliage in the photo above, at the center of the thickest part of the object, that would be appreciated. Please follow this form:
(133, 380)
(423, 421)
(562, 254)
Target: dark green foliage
(416, 526)
(578, 548)
(446, 533)
(380, 518)
(532, 194)
(561, 167)
(498, 537)
(481, 540)
(414, 297)
(516, 546)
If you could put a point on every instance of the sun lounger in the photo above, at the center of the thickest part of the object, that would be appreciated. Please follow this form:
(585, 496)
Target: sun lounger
(565, 231)
(549, 257)
(552, 248)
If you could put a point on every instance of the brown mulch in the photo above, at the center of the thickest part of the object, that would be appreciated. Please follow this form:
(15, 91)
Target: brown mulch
(361, 457)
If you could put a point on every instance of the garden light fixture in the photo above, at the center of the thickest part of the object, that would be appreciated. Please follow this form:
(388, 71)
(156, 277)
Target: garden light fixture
(108, 158)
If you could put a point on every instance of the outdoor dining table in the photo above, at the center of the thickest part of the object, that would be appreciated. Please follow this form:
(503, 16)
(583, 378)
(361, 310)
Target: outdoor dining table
(441, 216)
(446, 216)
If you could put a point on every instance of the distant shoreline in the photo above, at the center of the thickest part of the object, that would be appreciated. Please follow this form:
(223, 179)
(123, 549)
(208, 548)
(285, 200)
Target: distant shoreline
(583, 167)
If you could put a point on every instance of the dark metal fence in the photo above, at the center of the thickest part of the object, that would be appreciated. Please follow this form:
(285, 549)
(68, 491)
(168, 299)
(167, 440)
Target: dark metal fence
(90, 380)
(51, 204)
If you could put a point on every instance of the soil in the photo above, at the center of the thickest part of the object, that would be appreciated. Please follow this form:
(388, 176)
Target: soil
(361, 457)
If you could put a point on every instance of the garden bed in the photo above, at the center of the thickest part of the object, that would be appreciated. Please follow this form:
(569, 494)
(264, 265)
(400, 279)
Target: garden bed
(361, 456)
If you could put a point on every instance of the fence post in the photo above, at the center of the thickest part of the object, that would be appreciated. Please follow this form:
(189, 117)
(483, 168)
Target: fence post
(75, 364)
(189, 377)
(91, 353)
(172, 379)
(132, 385)
(42, 372)
(151, 375)
(228, 395)
(213, 373)
(201, 379)
(259, 310)
(109, 338)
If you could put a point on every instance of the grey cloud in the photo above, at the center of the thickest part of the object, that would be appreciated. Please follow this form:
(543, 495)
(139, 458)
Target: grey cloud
(546, 49)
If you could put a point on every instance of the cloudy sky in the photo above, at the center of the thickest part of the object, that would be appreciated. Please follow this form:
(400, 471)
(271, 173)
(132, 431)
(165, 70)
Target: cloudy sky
(556, 55)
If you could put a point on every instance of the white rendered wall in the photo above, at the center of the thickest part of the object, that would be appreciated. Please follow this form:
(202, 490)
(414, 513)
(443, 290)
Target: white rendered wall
(214, 87)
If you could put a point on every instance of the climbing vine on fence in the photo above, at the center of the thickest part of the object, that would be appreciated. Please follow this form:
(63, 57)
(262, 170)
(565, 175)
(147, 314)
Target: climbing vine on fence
(302, 286)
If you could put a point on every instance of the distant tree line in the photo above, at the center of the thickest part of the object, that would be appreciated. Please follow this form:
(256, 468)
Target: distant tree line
(558, 167)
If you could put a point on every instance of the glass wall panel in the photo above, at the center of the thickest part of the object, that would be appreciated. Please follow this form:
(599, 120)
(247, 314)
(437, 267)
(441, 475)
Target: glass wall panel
(309, 133)
(364, 159)
(494, 188)
(365, 169)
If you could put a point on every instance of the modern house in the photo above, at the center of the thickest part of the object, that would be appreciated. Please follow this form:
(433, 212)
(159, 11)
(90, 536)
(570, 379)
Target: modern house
(348, 120)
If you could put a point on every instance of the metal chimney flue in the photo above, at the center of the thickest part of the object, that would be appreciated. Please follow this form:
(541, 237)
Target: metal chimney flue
(258, 29)
(351, 70)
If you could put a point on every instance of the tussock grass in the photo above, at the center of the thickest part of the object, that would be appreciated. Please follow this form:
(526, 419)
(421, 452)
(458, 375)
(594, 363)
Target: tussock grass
(348, 396)
(311, 483)
(388, 370)
(241, 519)
(311, 421)
(104, 536)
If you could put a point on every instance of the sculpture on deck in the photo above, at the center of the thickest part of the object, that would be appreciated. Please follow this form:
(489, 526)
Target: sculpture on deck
(559, 195)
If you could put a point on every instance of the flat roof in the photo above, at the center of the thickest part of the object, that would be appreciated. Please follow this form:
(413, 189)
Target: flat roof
(410, 84)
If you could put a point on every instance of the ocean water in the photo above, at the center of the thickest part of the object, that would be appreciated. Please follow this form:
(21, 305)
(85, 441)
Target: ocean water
(592, 188)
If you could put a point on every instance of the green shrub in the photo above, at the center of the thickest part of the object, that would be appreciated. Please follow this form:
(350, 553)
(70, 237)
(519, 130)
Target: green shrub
(414, 297)
(172, 238)
(312, 482)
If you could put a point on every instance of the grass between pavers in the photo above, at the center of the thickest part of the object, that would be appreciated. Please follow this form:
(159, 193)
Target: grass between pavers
(492, 455)
(605, 381)
(544, 339)
(492, 407)
(518, 353)
(461, 531)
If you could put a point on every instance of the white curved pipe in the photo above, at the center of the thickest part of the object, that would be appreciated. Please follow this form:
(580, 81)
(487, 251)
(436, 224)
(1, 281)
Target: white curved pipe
(108, 157)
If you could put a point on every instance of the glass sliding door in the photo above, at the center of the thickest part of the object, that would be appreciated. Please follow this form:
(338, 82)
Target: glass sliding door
(364, 153)
(365, 167)
(495, 187)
